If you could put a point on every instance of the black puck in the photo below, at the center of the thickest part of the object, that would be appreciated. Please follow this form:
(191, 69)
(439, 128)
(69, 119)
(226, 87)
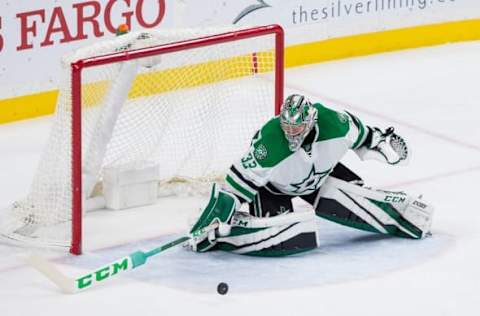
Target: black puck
(222, 288)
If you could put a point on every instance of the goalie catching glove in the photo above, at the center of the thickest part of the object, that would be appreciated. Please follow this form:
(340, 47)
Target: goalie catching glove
(384, 146)
(238, 232)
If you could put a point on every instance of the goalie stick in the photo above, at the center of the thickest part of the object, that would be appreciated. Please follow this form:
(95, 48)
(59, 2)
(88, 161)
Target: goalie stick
(90, 279)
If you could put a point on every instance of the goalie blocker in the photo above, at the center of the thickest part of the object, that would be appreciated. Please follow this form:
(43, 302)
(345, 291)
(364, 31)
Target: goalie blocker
(340, 201)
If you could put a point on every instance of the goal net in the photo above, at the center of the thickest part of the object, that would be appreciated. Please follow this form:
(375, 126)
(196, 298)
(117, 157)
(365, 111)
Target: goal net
(188, 101)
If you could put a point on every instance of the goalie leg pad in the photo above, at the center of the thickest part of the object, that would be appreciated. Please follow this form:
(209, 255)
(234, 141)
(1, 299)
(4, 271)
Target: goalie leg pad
(277, 236)
(387, 212)
(220, 208)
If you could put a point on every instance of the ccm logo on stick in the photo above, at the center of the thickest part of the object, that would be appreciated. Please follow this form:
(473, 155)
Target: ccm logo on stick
(96, 14)
(102, 273)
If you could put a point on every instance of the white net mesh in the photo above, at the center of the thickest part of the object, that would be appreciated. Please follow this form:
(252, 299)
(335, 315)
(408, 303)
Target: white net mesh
(192, 111)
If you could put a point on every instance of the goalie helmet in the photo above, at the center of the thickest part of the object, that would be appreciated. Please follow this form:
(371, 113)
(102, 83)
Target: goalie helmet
(297, 119)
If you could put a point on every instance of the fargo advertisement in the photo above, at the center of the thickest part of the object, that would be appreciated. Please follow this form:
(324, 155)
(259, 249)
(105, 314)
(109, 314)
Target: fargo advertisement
(34, 35)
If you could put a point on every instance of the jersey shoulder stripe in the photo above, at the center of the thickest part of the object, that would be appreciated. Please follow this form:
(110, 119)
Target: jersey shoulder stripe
(237, 174)
(239, 188)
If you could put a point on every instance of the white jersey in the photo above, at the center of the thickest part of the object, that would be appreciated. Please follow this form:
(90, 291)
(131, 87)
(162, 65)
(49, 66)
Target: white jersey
(271, 164)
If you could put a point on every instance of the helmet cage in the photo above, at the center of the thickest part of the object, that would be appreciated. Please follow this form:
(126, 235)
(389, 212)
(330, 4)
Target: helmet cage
(297, 119)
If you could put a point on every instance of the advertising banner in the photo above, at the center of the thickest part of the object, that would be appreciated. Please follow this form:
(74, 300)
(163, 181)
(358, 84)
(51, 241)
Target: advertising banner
(35, 34)
(314, 20)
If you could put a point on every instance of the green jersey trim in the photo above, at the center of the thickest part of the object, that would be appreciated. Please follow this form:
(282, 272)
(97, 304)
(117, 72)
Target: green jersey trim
(240, 189)
(361, 131)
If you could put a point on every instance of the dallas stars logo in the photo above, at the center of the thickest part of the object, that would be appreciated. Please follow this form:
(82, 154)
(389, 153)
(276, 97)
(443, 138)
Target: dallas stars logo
(310, 183)
(260, 152)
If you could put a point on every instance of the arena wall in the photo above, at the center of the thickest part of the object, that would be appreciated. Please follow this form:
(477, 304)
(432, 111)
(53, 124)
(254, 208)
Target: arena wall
(33, 37)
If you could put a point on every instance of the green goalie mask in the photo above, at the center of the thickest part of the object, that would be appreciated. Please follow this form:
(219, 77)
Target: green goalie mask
(297, 119)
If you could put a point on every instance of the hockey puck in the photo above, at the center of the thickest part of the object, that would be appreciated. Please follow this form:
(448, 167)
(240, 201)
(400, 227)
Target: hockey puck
(222, 288)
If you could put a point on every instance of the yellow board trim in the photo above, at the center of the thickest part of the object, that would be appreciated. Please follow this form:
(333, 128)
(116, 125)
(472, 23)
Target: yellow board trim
(29, 106)
(205, 73)
(43, 103)
(157, 82)
(380, 42)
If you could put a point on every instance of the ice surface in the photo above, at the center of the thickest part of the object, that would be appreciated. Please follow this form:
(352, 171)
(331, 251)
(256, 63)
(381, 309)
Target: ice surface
(430, 95)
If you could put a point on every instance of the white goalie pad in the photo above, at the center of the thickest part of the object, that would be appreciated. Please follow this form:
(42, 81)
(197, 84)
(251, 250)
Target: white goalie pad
(242, 219)
(380, 208)
(265, 232)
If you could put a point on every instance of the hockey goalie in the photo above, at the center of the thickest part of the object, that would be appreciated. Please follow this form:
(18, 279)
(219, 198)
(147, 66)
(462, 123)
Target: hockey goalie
(297, 154)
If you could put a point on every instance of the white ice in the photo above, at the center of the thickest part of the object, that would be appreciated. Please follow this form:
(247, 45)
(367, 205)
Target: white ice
(430, 95)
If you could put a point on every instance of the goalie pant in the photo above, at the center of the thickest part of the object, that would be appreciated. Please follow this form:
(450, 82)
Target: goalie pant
(343, 201)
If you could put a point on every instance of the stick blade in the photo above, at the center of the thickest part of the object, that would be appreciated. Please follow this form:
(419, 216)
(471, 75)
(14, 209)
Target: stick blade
(50, 271)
